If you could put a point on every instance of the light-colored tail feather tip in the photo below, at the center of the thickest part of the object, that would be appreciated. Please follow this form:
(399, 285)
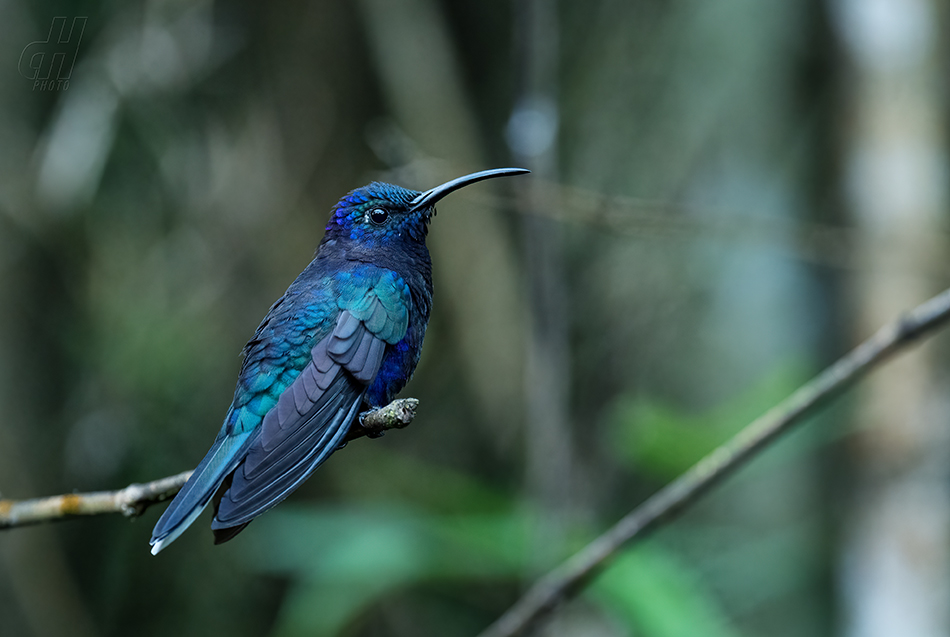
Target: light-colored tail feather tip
(158, 546)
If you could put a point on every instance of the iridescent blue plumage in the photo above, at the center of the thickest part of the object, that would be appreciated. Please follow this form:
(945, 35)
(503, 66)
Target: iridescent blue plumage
(346, 334)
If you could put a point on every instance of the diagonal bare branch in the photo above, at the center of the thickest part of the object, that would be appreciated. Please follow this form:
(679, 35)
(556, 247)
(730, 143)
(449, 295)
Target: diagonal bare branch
(569, 578)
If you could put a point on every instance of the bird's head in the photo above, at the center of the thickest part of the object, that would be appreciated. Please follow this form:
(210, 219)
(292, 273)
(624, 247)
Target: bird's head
(381, 213)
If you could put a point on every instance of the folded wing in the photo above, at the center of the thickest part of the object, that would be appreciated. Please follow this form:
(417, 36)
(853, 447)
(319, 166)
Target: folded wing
(311, 418)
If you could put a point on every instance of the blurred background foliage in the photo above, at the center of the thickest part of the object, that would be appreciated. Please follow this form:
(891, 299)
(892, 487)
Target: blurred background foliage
(690, 248)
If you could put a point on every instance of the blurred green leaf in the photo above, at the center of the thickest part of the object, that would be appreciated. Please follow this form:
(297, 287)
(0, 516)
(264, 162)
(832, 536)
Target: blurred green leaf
(664, 440)
(435, 486)
(340, 560)
(656, 596)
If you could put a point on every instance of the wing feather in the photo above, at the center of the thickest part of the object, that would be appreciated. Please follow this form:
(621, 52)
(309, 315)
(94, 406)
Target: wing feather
(310, 420)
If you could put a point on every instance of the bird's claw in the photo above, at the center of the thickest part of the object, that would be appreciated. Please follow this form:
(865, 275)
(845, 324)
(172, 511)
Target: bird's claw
(371, 432)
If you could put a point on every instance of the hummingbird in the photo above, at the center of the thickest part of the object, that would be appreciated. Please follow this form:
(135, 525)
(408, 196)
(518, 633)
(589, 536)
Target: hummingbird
(344, 338)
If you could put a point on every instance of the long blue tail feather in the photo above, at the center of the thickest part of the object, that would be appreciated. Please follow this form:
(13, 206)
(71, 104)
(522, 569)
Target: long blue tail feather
(225, 454)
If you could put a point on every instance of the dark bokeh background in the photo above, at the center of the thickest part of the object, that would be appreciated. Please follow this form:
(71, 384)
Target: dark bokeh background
(727, 195)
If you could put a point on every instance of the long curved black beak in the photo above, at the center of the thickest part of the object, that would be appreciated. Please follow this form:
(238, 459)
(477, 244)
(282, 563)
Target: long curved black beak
(429, 197)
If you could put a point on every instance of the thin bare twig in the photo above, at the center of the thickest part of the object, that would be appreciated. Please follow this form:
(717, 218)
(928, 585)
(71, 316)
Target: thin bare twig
(570, 577)
(135, 498)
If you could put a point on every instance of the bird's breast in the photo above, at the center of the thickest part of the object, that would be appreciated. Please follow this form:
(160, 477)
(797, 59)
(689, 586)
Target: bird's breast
(399, 363)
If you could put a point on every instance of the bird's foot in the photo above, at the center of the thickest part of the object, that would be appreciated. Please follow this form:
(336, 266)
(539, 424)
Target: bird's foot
(371, 431)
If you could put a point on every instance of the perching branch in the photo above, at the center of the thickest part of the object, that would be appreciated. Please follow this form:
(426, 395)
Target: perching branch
(135, 498)
(570, 577)
(130, 501)
(396, 415)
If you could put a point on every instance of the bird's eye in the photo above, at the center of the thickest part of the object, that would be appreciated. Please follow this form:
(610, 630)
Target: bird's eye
(378, 216)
